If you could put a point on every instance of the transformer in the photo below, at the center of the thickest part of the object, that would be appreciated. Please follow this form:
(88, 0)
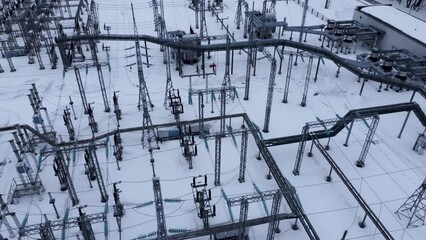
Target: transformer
(264, 32)
(186, 56)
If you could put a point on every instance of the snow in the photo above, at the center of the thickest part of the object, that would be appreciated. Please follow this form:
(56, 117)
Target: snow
(392, 172)
(400, 20)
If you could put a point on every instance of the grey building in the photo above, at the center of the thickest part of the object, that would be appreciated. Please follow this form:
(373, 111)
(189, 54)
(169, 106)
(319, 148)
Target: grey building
(399, 29)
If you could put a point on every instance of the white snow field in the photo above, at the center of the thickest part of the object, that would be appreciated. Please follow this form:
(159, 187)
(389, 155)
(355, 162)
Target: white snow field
(392, 171)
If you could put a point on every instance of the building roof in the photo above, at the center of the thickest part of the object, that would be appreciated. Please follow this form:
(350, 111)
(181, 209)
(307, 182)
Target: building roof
(402, 21)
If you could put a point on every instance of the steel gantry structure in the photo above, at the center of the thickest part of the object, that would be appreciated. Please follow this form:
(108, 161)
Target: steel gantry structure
(286, 188)
(322, 52)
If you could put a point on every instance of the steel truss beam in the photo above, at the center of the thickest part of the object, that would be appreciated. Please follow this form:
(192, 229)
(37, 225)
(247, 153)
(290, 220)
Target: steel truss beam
(61, 224)
(228, 227)
(314, 50)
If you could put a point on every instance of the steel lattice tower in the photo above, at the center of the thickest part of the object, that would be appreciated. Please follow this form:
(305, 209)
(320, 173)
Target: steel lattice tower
(203, 24)
(414, 208)
(159, 209)
(144, 97)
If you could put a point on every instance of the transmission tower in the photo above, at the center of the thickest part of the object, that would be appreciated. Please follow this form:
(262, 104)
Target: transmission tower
(143, 90)
(159, 209)
(414, 208)
(93, 50)
(166, 56)
(226, 78)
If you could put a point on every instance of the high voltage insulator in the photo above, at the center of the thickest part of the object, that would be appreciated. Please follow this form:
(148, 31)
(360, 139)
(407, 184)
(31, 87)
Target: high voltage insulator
(92, 123)
(68, 123)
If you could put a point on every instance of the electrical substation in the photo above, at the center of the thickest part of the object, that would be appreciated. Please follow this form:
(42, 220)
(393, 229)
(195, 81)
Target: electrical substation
(212, 119)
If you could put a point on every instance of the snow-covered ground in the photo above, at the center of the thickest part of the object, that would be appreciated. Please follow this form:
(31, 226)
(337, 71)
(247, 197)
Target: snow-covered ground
(392, 172)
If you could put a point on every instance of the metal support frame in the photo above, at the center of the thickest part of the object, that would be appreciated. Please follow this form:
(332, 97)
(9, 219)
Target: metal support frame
(143, 90)
(414, 208)
(81, 89)
(201, 114)
(368, 141)
(63, 170)
(159, 209)
(243, 156)
(248, 66)
(275, 209)
(301, 149)
(307, 79)
(68, 123)
(166, 60)
(270, 96)
(93, 50)
(92, 123)
(187, 143)
(202, 198)
(217, 159)
(85, 225)
(6, 54)
(203, 24)
(226, 78)
(46, 232)
(287, 78)
(243, 218)
(222, 109)
(91, 153)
